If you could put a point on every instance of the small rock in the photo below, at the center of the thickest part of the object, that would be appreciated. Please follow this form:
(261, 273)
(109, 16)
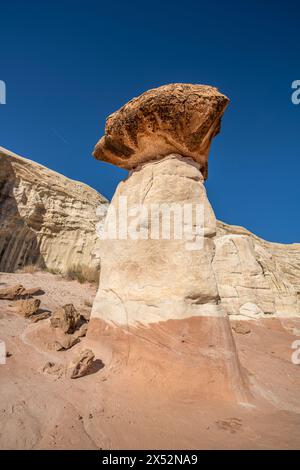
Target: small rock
(82, 364)
(241, 328)
(19, 292)
(11, 293)
(32, 291)
(28, 307)
(66, 318)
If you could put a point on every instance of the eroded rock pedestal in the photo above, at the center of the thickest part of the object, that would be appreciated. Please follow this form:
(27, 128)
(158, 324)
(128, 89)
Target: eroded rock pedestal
(157, 314)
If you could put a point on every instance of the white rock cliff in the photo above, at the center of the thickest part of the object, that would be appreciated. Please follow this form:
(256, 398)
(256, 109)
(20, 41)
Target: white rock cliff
(46, 219)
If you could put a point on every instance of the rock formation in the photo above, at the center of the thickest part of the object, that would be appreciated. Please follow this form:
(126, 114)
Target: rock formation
(159, 297)
(256, 278)
(19, 292)
(177, 118)
(66, 318)
(82, 364)
(28, 307)
(46, 219)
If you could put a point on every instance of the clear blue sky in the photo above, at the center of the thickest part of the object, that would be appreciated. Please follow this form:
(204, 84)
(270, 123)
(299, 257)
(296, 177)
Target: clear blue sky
(69, 64)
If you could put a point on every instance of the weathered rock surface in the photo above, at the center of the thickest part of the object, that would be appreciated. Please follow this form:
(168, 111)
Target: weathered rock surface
(28, 307)
(82, 364)
(64, 341)
(66, 318)
(67, 341)
(19, 292)
(46, 219)
(256, 278)
(157, 296)
(146, 281)
(11, 293)
(40, 316)
(177, 118)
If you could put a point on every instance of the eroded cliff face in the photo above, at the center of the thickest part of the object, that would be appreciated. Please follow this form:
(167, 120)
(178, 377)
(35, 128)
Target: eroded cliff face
(256, 278)
(46, 219)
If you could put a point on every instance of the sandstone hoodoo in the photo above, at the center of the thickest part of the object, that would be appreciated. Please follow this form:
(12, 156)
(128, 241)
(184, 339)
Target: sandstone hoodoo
(158, 295)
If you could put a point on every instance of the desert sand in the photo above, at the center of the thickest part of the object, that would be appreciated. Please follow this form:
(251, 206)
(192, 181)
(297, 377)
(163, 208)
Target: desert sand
(123, 404)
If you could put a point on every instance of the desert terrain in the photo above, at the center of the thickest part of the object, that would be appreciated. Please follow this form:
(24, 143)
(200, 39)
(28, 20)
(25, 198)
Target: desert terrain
(119, 407)
(117, 334)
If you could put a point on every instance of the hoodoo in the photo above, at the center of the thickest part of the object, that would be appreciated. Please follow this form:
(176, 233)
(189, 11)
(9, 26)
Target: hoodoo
(158, 314)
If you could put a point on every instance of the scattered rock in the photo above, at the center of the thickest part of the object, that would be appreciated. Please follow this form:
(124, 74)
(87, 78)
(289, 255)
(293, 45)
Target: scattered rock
(82, 364)
(241, 328)
(8, 354)
(11, 293)
(66, 318)
(33, 291)
(28, 307)
(19, 292)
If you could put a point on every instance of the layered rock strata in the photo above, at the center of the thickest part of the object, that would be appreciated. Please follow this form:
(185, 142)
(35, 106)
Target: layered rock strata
(46, 219)
(256, 278)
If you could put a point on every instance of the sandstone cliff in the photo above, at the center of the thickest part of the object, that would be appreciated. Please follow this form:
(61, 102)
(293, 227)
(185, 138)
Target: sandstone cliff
(45, 218)
(255, 277)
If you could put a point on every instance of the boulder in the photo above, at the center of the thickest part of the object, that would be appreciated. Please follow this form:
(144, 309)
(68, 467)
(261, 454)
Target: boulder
(66, 318)
(28, 307)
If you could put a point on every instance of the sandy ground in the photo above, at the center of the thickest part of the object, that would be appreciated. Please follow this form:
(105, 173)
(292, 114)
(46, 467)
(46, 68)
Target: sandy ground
(109, 409)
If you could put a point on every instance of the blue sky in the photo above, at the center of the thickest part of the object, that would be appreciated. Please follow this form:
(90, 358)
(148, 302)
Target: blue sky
(69, 64)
